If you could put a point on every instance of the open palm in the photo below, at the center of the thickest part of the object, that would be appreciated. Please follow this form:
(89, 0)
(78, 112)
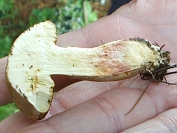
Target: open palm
(87, 106)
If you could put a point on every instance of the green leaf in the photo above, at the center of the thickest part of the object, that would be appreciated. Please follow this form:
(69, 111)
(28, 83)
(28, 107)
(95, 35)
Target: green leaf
(7, 110)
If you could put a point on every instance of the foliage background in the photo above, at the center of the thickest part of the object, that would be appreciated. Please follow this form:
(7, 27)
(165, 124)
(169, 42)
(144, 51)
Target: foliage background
(18, 15)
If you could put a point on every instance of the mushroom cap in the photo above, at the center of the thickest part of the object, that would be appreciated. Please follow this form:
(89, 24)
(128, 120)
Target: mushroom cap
(30, 85)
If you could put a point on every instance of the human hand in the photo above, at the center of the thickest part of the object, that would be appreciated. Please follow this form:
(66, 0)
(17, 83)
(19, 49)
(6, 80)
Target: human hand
(100, 107)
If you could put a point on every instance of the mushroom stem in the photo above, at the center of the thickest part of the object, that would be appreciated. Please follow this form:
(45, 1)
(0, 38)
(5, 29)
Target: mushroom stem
(112, 61)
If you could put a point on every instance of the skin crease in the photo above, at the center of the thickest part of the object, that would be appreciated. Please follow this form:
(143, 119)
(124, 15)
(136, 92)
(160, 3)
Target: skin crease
(89, 107)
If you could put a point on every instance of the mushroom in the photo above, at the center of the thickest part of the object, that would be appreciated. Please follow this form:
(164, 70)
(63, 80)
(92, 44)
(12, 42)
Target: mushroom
(34, 57)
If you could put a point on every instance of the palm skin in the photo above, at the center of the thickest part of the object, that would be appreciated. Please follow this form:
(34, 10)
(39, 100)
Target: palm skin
(87, 106)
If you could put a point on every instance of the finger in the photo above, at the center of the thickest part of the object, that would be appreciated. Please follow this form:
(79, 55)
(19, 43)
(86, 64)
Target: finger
(4, 93)
(63, 100)
(106, 112)
(78, 93)
(16, 122)
(163, 123)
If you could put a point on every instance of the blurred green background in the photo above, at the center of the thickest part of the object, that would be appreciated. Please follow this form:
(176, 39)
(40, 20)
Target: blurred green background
(68, 15)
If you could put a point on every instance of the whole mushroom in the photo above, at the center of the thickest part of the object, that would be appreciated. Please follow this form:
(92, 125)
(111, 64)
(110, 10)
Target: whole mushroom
(34, 57)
